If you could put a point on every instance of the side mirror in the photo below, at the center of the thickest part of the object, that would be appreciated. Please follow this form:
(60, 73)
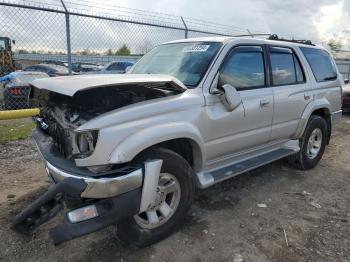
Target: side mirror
(230, 97)
(13, 42)
(346, 81)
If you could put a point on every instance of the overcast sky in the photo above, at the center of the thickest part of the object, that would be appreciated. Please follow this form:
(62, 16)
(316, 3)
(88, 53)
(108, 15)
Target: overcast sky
(315, 19)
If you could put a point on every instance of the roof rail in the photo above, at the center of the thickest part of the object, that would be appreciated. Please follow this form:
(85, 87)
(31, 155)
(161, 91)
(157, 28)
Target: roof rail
(304, 42)
(252, 35)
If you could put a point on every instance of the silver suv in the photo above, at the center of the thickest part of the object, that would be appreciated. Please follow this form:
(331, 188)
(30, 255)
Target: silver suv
(132, 149)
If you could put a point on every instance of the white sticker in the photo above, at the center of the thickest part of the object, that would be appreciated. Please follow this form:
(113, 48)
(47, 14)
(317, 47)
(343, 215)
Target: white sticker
(195, 48)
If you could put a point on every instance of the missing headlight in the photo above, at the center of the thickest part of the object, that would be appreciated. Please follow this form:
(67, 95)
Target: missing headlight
(86, 142)
(100, 169)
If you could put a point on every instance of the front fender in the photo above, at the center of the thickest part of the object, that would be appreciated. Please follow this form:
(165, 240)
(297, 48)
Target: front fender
(145, 138)
(310, 108)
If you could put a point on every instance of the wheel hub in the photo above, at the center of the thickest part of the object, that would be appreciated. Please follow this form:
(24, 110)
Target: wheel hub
(159, 199)
(314, 143)
(165, 204)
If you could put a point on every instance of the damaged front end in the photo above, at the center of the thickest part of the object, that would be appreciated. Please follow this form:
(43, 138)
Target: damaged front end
(62, 114)
(98, 195)
(94, 203)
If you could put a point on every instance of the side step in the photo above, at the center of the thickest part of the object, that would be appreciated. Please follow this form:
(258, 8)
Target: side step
(207, 179)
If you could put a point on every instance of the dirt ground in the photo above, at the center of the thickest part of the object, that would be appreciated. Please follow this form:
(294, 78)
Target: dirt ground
(308, 210)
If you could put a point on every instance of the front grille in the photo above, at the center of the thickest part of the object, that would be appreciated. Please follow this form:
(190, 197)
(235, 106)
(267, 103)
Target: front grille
(61, 136)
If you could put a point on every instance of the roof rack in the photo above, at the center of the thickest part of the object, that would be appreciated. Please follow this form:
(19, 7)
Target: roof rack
(252, 35)
(304, 42)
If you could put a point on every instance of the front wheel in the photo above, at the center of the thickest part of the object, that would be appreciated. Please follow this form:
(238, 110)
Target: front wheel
(175, 193)
(312, 144)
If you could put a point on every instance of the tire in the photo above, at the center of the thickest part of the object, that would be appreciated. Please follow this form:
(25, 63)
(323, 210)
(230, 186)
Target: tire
(309, 156)
(134, 230)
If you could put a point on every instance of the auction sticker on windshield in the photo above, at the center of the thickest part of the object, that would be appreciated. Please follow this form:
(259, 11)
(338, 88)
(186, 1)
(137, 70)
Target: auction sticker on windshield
(195, 48)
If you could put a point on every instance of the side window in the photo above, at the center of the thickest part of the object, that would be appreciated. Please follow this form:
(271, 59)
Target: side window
(43, 69)
(321, 64)
(115, 66)
(244, 68)
(30, 68)
(299, 71)
(286, 69)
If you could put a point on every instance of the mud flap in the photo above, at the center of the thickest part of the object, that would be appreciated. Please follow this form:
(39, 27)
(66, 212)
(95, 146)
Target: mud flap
(48, 205)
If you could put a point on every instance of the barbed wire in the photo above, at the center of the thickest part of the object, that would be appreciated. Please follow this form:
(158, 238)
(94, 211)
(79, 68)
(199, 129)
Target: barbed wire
(109, 10)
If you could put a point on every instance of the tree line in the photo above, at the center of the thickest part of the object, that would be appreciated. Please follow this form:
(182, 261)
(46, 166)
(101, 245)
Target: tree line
(124, 50)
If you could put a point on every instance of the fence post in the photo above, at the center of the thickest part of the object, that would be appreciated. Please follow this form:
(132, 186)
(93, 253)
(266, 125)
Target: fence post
(186, 29)
(69, 51)
(250, 33)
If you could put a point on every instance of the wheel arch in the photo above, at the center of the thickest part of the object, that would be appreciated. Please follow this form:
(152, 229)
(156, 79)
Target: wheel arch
(183, 139)
(320, 108)
(326, 115)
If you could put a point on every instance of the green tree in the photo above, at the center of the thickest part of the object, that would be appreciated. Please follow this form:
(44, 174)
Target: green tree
(335, 45)
(109, 52)
(86, 51)
(124, 50)
(23, 51)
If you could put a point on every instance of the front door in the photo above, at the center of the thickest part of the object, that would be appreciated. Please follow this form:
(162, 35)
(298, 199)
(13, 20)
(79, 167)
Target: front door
(248, 125)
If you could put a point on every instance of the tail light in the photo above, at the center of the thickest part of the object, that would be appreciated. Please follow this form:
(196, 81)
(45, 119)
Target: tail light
(16, 91)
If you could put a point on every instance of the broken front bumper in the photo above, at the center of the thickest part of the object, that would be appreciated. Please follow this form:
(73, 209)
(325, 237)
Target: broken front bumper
(104, 185)
(114, 196)
(109, 211)
(99, 187)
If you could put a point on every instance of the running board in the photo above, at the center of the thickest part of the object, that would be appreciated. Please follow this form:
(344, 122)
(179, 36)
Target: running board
(207, 179)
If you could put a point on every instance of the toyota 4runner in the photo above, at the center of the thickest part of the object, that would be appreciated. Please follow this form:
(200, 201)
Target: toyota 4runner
(131, 150)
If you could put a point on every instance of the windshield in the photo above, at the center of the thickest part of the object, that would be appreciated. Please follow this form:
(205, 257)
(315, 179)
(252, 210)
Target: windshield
(187, 62)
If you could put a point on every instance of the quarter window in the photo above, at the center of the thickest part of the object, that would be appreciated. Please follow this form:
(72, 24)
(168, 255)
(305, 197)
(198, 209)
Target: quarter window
(321, 64)
(244, 68)
(115, 66)
(286, 69)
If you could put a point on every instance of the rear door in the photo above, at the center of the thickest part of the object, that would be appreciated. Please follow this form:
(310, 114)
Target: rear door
(289, 85)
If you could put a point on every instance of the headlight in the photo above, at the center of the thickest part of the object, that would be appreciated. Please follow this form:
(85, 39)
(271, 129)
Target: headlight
(86, 142)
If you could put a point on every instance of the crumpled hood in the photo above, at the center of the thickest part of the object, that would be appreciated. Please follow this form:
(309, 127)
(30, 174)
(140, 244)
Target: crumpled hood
(69, 85)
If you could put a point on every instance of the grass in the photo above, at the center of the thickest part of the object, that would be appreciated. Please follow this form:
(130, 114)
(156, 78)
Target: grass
(16, 129)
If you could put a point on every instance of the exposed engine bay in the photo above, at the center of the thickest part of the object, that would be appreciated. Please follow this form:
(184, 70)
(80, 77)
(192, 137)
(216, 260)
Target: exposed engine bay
(61, 114)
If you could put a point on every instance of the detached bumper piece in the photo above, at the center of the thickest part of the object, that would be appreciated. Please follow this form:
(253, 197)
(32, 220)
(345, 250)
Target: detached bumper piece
(108, 211)
(48, 205)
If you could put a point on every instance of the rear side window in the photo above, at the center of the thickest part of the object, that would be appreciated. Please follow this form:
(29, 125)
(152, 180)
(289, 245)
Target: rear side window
(286, 68)
(244, 68)
(31, 68)
(116, 66)
(320, 63)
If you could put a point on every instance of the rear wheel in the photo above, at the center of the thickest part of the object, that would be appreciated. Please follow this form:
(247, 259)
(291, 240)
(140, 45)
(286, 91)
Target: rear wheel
(175, 193)
(312, 144)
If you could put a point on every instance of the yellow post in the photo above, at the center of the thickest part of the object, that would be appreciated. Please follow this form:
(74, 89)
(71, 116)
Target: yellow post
(11, 114)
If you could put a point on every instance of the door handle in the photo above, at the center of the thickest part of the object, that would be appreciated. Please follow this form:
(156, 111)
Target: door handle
(264, 103)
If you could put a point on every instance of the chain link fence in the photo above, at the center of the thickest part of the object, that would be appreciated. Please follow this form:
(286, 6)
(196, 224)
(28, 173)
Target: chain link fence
(344, 68)
(61, 37)
(51, 38)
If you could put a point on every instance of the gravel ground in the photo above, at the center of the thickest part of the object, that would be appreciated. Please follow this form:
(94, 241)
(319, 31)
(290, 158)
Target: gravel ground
(305, 216)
